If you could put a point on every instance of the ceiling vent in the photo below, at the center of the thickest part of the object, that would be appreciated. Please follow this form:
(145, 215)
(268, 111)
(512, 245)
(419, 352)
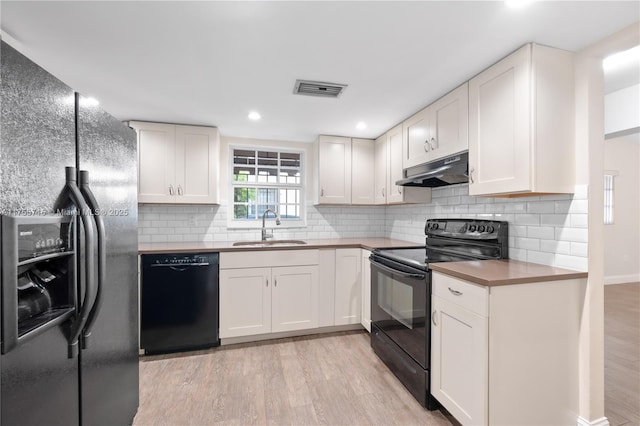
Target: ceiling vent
(318, 88)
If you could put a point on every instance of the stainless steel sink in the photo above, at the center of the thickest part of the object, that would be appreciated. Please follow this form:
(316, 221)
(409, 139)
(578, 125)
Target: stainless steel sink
(269, 243)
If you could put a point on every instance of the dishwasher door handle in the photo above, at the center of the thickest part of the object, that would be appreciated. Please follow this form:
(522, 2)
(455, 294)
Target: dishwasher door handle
(180, 267)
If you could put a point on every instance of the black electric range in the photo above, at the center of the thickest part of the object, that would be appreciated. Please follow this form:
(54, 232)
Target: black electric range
(401, 293)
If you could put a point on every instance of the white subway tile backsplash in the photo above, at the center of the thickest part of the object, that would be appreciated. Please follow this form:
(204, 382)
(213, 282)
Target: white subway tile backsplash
(563, 207)
(518, 230)
(579, 206)
(580, 235)
(515, 208)
(517, 254)
(540, 257)
(579, 249)
(579, 220)
(541, 207)
(546, 229)
(553, 246)
(159, 239)
(527, 219)
(527, 243)
(541, 232)
(554, 219)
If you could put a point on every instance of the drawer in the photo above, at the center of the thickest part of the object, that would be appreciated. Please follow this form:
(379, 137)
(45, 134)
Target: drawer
(268, 258)
(469, 296)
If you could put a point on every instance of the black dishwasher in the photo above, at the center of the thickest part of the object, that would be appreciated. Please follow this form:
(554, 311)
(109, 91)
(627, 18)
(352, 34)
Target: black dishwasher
(179, 302)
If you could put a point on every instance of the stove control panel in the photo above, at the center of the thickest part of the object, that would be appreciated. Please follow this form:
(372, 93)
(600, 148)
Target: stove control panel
(466, 228)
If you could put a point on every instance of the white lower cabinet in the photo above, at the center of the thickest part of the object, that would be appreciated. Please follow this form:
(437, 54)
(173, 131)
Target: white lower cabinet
(294, 298)
(245, 302)
(257, 298)
(506, 355)
(459, 352)
(348, 286)
(260, 294)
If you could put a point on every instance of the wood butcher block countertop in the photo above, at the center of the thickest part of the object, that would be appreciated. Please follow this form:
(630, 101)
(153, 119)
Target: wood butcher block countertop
(504, 272)
(199, 247)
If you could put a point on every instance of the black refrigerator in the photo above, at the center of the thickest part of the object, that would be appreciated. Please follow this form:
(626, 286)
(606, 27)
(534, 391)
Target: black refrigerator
(68, 200)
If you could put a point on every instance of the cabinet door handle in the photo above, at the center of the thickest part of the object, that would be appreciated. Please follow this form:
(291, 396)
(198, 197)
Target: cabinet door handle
(179, 190)
(267, 280)
(433, 318)
(471, 170)
(399, 189)
(275, 282)
(455, 292)
(382, 191)
(170, 189)
(322, 192)
(427, 147)
(434, 143)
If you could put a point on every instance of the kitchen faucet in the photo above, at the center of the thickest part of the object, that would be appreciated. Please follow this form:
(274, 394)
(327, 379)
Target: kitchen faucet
(265, 233)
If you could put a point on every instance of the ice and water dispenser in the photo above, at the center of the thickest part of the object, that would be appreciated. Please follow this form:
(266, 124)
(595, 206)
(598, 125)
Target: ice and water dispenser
(38, 276)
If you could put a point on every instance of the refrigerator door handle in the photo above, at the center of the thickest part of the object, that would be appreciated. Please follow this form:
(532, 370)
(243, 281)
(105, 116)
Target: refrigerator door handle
(72, 194)
(102, 254)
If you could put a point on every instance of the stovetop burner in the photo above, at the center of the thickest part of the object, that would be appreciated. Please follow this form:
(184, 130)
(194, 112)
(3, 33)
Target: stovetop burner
(451, 240)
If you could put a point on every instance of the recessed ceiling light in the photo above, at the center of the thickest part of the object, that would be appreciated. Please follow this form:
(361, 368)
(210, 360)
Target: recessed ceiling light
(621, 59)
(254, 116)
(518, 4)
(361, 125)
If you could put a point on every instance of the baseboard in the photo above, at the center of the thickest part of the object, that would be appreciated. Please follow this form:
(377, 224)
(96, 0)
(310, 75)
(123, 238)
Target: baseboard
(603, 421)
(280, 335)
(622, 279)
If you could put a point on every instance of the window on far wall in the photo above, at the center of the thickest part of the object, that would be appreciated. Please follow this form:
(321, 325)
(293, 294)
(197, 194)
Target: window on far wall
(264, 179)
(608, 197)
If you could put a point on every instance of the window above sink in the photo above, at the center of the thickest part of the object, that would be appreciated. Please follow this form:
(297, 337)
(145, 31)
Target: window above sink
(266, 178)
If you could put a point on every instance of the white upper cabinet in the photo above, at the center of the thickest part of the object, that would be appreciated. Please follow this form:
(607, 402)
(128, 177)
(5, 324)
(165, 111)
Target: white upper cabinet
(521, 120)
(344, 169)
(439, 130)
(197, 165)
(381, 169)
(334, 170)
(396, 153)
(400, 194)
(362, 163)
(449, 124)
(415, 139)
(156, 162)
(177, 164)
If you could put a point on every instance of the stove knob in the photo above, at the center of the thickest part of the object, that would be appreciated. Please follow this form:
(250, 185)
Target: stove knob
(481, 228)
(472, 228)
(490, 229)
(435, 226)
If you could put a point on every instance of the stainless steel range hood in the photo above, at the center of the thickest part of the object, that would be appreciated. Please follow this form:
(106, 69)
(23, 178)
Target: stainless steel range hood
(445, 171)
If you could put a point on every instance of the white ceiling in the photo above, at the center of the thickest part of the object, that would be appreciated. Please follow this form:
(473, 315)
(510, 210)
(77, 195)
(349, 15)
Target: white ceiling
(210, 63)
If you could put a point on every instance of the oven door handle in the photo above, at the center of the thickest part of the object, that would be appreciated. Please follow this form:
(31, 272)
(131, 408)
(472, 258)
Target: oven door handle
(395, 271)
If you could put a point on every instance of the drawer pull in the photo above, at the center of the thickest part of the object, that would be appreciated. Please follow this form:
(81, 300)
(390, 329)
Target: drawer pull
(433, 318)
(455, 292)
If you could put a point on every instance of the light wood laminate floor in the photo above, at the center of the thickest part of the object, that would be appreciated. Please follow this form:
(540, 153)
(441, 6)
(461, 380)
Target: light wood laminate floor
(622, 354)
(332, 379)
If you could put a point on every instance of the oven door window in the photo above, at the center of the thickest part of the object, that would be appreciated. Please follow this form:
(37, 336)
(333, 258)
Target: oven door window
(396, 299)
(399, 306)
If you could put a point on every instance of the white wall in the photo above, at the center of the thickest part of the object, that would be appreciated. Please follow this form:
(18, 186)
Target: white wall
(622, 110)
(622, 238)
